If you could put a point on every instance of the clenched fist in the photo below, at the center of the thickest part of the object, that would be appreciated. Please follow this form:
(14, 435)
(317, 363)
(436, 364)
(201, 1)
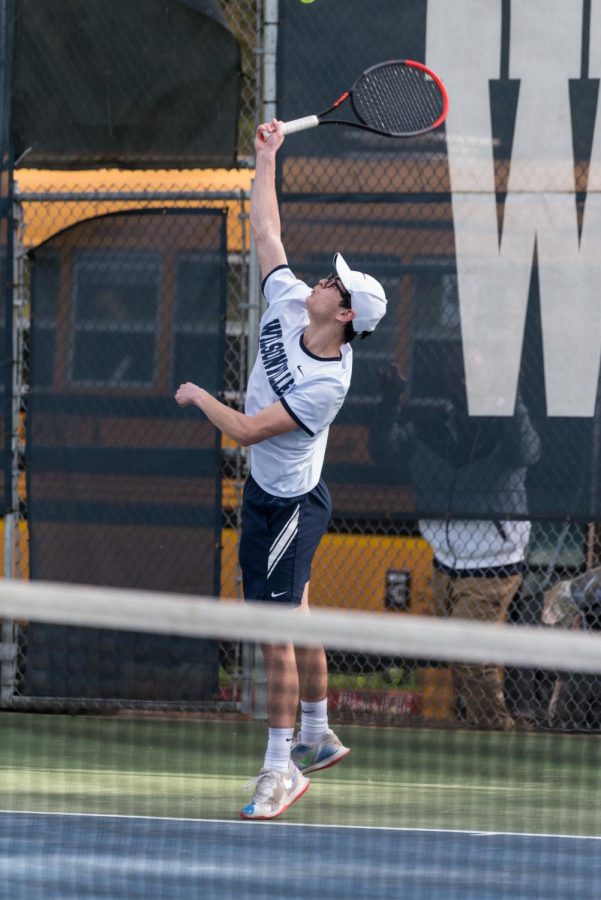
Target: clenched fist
(187, 394)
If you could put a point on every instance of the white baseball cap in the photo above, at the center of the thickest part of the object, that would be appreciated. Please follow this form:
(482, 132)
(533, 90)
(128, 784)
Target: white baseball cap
(368, 299)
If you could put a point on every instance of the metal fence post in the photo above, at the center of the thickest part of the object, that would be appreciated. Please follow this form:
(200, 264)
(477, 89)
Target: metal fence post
(254, 676)
(9, 632)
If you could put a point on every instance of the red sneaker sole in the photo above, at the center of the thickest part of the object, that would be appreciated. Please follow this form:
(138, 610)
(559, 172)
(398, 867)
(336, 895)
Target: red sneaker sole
(281, 811)
(327, 765)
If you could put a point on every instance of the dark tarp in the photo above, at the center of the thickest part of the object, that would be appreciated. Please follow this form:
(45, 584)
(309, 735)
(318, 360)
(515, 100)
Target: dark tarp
(125, 83)
(124, 487)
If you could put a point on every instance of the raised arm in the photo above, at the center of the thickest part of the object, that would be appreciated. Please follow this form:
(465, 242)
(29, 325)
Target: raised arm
(521, 445)
(264, 212)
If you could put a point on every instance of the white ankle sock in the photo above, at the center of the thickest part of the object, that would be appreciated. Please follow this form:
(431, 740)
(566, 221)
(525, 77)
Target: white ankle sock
(279, 743)
(314, 721)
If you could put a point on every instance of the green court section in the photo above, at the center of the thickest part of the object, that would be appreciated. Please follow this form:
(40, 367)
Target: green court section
(400, 778)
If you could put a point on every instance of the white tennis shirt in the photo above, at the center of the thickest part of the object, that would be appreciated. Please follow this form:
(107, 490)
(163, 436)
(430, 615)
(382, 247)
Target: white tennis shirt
(311, 388)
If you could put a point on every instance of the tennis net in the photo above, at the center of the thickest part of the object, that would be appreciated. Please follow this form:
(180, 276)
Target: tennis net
(130, 799)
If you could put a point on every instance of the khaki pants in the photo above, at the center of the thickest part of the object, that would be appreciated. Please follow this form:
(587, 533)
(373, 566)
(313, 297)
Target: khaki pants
(484, 600)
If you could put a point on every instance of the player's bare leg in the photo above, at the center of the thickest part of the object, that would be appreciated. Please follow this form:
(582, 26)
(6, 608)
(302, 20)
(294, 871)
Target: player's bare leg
(279, 783)
(316, 747)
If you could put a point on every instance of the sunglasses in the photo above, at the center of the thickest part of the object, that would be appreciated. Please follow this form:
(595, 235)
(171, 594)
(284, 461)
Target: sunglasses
(333, 280)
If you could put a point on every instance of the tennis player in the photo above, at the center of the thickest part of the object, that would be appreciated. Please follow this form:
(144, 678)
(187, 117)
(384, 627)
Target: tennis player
(299, 381)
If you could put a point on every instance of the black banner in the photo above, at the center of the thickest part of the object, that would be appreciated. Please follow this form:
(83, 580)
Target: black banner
(124, 487)
(478, 395)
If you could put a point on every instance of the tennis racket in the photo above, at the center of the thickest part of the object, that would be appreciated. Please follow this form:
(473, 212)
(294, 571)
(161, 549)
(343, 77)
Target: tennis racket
(400, 98)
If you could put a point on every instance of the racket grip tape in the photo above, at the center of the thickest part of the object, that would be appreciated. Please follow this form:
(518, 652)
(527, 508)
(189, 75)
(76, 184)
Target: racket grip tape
(294, 125)
(300, 124)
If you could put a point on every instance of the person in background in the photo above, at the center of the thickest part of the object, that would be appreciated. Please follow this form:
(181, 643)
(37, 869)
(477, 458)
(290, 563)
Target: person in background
(297, 386)
(476, 464)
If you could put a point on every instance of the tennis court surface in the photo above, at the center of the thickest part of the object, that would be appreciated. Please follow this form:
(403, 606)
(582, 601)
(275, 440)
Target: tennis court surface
(129, 800)
(148, 807)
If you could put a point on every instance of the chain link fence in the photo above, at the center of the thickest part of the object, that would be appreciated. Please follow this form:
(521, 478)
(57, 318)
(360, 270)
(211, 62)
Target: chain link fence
(388, 209)
(49, 204)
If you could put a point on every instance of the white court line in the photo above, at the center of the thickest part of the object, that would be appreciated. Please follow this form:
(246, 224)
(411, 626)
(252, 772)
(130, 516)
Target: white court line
(280, 824)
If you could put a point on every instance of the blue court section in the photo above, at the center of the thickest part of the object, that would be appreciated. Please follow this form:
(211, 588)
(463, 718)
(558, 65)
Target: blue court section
(75, 856)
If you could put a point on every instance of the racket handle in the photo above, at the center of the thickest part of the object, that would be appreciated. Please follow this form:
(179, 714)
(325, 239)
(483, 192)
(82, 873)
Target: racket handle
(300, 124)
(294, 125)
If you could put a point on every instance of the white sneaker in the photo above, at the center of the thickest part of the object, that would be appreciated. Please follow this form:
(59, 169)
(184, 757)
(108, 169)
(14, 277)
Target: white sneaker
(275, 791)
(322, 755)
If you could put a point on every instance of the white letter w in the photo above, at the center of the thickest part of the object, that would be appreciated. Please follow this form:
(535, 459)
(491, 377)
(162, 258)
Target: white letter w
(464, 45)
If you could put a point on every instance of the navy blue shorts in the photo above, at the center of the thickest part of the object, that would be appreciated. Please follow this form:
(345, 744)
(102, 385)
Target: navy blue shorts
(279, 538)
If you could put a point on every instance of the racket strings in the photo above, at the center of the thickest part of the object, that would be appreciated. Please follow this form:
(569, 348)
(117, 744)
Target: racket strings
(398, 99)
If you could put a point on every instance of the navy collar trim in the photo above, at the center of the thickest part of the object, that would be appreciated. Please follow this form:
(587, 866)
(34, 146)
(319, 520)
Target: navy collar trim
(320, 358)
